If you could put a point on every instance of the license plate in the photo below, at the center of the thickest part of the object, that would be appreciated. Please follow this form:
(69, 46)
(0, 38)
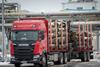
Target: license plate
(23, 44)
(23, 61)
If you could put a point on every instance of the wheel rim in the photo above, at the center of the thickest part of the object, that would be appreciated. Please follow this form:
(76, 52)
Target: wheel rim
(44, 61)
(65, 59)
(61, 60)
(84, 56)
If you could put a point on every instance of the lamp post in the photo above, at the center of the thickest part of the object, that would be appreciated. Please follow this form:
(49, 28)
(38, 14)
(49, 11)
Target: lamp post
(3, 32)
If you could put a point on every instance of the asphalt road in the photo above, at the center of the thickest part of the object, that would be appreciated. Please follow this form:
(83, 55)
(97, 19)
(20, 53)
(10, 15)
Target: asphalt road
(69, 64)
(80, 64)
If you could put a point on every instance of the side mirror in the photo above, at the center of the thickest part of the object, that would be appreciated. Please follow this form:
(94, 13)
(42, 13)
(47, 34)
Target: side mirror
(41, 35)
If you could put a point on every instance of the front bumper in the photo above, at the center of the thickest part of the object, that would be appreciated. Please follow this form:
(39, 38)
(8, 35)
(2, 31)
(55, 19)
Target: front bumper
(34, 60)
(21, 62)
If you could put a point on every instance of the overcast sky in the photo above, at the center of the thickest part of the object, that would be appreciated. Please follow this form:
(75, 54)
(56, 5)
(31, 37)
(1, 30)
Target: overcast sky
(41, 5)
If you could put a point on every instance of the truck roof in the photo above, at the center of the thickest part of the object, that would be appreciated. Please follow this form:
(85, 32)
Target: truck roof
(30, 24)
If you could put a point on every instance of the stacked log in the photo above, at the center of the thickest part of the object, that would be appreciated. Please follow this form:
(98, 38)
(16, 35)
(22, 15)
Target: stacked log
(57, 33)
(85, 37)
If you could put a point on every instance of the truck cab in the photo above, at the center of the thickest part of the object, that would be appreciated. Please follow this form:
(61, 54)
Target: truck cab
(28, 42)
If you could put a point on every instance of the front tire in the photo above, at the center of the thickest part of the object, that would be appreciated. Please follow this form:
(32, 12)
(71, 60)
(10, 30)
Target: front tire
(17, 65)
(43, 61)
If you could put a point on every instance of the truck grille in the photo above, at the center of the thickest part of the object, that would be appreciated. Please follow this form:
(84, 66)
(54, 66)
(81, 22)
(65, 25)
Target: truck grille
(23, 53)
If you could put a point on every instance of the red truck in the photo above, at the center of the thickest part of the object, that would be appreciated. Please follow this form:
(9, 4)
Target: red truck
(39, 41)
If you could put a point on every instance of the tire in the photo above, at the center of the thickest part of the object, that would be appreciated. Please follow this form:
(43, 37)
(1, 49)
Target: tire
(82, 60)
(60, 59)
(84, 57)
(88, 56)
(36, 65)
(64, 58)
(68, 57)
(17, 65)
(68, 60)
(43, 61)
(70, 52)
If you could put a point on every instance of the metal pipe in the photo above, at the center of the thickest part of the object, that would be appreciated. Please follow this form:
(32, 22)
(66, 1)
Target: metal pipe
(67, 36)
(3, 32)
(98, 41)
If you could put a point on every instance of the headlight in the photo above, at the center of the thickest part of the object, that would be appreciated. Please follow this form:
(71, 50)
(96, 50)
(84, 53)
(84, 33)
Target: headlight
(14, 44)
(33, 44)
(36, 56)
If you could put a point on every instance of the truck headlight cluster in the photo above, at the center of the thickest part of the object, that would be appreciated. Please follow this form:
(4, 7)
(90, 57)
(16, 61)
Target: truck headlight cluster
(14, 44)
(36, 56)
(12, 58)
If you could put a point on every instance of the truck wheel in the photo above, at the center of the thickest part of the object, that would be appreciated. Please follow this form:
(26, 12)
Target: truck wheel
(60, 59)
(88, 56)
(37, 65)
(68, 60)
(68, 57)
(84, 57)
(17, 65)
(55, 62)
(64, 58)
(43, 61)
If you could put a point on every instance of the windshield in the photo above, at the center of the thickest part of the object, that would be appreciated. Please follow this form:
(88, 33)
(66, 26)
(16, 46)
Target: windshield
(25, 35)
